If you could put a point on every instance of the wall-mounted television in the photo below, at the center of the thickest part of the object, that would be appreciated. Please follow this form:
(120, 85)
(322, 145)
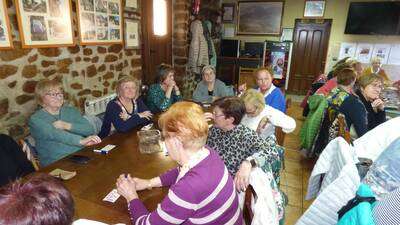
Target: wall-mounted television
(373, 18)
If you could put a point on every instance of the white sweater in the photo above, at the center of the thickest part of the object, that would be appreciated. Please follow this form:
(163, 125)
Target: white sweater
(275, 118)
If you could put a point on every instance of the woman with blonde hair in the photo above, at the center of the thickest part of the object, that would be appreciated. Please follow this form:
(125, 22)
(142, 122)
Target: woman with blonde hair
(58, 129)
(263, 118)
(127, 110)
(194, 197)
(376, 67)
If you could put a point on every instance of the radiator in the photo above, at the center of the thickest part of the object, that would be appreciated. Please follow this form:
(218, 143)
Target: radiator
(98, 106)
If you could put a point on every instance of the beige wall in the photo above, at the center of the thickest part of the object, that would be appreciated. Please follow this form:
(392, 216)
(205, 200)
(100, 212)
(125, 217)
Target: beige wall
(337, 11)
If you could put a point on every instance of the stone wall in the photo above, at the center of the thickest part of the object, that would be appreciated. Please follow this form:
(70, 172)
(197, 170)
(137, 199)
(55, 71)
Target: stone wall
(180, 45)
(86, 72)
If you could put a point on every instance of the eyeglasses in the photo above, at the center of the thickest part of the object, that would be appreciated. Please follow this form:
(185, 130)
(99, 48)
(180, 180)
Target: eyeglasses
(55, 94)
(215, 114)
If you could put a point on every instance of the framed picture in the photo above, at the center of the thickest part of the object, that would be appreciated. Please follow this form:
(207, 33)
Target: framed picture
(45, 23)
(228, 10)
(5, 31)
(100, 21)
(131, 4)
(260, 17)
(287, 34)
(132, 34)
(314, 9)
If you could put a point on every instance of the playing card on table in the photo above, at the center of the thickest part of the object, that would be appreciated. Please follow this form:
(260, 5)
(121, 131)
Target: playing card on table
(107, 148)
(112, 196)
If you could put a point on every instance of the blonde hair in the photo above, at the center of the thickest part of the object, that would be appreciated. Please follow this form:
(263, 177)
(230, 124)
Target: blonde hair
(126, 79)
(254, 98)
(367, 79)
(44, 86)
(376, 60)
(264, 69)
(186, 121)
(208, 67)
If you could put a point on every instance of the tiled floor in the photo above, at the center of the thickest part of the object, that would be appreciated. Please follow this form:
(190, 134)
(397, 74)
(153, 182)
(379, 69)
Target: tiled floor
(297, 170)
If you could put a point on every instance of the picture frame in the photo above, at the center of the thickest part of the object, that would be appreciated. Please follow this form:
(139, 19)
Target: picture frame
(314, 8)
(45, 23)
(100, 22)
(259, 17)
(287, 34)
(229, 11)
(132, 33)
(132, 5)
(5, 29)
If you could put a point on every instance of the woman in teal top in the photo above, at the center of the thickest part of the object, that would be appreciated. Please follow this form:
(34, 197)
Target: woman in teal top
(165, 92)
(58, 130)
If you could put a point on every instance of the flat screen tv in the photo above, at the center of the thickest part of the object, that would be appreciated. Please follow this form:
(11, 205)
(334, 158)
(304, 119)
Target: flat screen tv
(374, 18)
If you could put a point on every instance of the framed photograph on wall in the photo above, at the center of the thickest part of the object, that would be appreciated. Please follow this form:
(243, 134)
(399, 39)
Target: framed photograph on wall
(132, 34)
(260, 17)
(5, 30)
(228, 10)
(100, 21)
(131, 5)
(45, 23)
(314, 8)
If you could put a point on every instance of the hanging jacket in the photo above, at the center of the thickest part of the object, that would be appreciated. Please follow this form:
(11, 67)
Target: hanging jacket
(358, 210)
(311, 126)
(198, 51)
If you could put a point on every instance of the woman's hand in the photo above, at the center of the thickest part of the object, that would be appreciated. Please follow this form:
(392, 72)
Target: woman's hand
(208, 116)
(261, 126)
(378, 104)
(145, 114)
(242, 176)
(142, 184)
(90, 140)
(59, 124)
(242, 88)
(124, 115)
(126, 187)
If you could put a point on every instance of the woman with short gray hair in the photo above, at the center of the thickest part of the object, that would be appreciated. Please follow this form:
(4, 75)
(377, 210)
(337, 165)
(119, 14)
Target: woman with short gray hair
(210, 88)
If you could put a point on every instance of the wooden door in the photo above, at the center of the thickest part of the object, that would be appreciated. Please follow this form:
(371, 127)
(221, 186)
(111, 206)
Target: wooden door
(311, 38)
(156, 49)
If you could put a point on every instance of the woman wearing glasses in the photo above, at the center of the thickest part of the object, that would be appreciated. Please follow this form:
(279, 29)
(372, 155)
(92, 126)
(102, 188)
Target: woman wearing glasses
(371, 86)
(58, 129)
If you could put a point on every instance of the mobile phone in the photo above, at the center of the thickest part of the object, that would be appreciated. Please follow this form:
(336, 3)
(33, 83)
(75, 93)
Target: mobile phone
(80, 159)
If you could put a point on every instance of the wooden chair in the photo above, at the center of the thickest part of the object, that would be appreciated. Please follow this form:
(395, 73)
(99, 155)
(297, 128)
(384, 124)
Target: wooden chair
(246, 75)
(279, 134)
(30, 155)
(247, 211)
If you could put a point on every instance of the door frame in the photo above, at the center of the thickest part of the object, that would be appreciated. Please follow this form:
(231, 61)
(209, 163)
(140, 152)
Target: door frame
(324, 60)
(147, 76)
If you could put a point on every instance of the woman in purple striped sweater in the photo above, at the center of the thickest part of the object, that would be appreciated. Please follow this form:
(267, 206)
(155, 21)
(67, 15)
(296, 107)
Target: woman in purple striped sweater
(194, 196)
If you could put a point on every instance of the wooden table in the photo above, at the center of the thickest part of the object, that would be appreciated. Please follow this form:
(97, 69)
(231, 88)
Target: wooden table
(97, 178)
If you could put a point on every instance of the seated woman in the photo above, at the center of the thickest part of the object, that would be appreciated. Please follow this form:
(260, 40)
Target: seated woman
(371, 86)
(41, 199)
(263, 118)
(210, 88)
(240, 147)
(194, 196)
(165, 92)
(376, 67)
(58, 130)
(127, 110)
(340, 100)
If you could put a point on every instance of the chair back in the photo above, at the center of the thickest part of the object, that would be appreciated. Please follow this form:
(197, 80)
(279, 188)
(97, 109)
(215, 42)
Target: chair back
(246, 75)
(279, 134)
(31, 155)
(248, 214)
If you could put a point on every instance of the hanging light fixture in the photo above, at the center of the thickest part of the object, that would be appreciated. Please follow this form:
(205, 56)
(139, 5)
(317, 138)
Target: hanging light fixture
(160, 17)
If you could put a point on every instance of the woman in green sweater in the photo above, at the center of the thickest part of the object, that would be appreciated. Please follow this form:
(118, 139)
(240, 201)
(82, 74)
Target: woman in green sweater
(58, 129)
